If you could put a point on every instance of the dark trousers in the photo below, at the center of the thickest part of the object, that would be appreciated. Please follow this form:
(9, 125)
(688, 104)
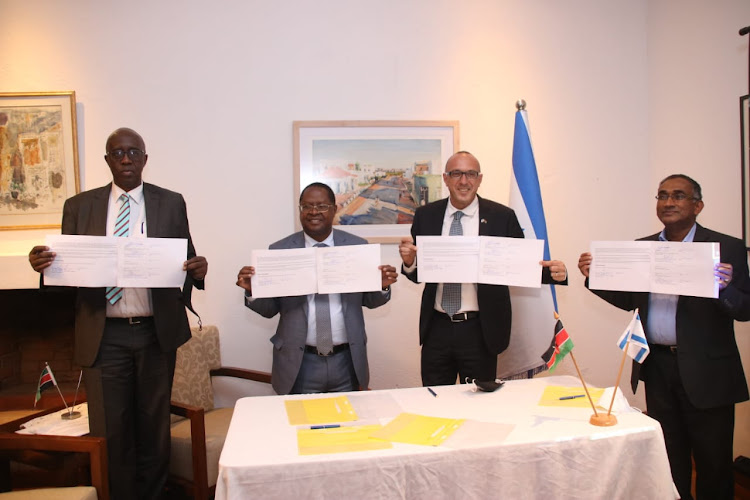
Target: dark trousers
(706, 434)
(333, 373)
(456, 349)
(128, 390)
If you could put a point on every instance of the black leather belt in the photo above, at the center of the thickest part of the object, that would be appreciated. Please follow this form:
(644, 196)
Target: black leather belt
(459, 317)
(135, 320)
(336, 349)
(662, 347)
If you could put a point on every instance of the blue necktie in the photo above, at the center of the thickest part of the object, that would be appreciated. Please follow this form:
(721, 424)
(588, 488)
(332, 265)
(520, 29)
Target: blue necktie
(122, 229)
(451, 300)
(323, 334)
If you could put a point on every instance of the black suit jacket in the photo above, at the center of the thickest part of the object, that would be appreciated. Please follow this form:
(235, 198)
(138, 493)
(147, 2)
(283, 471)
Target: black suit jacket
(166, 217)
(494, 300)
(707, 354)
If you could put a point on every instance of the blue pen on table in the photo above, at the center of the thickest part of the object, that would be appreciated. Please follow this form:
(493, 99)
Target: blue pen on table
(331, 426)
(432, 392)
(571, 397)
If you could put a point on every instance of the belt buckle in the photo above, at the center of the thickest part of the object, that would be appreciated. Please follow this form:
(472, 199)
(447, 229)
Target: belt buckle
(673, 349)
(461, 317)
(134, 321)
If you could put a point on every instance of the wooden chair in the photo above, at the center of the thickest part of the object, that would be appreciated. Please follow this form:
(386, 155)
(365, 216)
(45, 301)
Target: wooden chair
(197, 439)
(37, 450)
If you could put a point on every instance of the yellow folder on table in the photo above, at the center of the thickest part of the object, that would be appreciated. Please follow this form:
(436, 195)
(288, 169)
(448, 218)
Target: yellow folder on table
(339, 440)
(552, 394)
(418, 429)
(319, 411)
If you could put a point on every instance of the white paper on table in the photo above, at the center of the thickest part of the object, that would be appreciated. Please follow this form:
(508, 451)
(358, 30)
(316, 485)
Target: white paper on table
(448, 259)
(151, 262)
(88, 261)
(685, 268)
(95, 261)
(284, 272)
(667, 267)
(621, 265)
(348, 269)
(510, 261)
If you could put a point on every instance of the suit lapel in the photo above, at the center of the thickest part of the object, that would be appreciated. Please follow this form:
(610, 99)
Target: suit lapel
(98, 212)
(152, 201)
(484, 226)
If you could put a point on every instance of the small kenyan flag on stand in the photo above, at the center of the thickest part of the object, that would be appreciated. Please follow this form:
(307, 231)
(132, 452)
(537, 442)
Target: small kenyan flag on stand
(46, 380)
(560, 346)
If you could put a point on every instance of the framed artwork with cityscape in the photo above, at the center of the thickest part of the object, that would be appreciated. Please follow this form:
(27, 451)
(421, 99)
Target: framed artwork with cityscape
(38, 158)
(380, 171)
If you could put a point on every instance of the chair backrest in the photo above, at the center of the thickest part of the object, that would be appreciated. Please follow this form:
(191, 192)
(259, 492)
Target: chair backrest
(195, 360)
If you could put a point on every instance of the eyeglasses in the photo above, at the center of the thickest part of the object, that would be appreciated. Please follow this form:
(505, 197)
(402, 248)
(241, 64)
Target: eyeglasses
(322, 208)
(133, 154)
(470, 174)
(678, 196)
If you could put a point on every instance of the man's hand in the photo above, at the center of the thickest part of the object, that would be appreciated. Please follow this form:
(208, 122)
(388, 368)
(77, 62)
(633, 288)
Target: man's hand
(723, 273)
(243, 278)
(389, 275)
(584, 263)
(197, 267)
(556, 268)
(408, 251)
(41, 258)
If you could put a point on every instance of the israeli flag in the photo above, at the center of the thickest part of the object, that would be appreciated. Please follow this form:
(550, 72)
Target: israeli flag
(638, 347)
(533, 308)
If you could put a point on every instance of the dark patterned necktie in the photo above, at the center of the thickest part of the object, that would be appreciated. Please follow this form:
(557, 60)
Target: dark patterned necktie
(451, 300)
(122, 229)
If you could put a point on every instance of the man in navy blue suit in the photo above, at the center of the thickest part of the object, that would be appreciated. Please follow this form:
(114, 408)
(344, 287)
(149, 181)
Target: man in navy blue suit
(693, 374)
(465, 341)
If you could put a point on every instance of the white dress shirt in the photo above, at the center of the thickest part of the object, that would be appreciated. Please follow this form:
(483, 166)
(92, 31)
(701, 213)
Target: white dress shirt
(134, 301)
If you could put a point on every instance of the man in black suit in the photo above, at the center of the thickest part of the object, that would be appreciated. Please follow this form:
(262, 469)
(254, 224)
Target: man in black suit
(693, 374)
(126, 339)
(466, 340)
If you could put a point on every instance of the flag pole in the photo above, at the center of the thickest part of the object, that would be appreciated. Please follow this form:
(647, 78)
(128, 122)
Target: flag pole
(585, 389)
(72, 415)
(57, 386)
(619, 374)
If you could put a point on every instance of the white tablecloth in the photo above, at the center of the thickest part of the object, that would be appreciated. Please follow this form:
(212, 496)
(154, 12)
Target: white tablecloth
(551, 452)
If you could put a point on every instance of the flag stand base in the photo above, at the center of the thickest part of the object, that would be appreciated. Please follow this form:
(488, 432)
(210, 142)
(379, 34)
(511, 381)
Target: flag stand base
(603, 420)
(71, 415)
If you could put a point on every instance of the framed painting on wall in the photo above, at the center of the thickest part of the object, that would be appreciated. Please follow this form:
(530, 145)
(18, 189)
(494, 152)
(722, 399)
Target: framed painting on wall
(745, 141)
(380, 171)
(38, 158)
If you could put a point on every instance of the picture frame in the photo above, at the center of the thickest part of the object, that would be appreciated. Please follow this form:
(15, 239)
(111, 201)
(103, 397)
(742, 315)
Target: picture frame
(745, 158)
(380, 171)
(38, 158)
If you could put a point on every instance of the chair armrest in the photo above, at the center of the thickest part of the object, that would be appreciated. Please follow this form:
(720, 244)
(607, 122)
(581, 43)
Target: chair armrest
(95, 447)
(244, 373)
(198, 441)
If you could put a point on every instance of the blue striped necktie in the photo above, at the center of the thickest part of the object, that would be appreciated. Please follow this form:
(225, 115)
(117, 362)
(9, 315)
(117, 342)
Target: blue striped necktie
(451, 299)
(122, 229)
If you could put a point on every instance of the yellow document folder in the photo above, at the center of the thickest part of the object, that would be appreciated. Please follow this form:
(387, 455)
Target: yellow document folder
(319, 411)
(552, 394)
(339, 440)
(418, 429)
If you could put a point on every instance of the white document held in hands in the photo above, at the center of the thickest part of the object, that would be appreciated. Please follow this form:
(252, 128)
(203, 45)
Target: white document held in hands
(96, 261)
(667, 267)
(492, 260)
(448, 259)
(348, 269)
(284, 272)
(304, 271)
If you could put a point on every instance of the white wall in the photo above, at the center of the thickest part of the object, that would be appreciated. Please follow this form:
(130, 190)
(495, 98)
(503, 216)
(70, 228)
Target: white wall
(619, 94)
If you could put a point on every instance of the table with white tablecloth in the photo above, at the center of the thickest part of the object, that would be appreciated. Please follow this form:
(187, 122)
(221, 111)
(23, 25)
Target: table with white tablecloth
(545, 452)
